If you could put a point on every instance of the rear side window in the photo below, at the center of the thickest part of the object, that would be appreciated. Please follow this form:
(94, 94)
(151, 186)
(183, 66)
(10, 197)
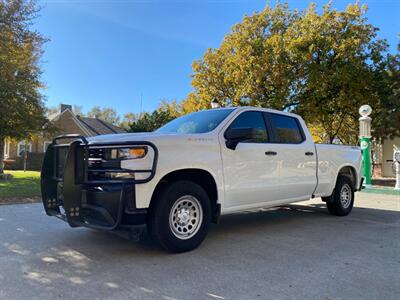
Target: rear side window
(287, 129)
(252, 119)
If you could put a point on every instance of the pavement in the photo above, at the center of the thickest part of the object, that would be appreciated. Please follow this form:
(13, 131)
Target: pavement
(293, 252)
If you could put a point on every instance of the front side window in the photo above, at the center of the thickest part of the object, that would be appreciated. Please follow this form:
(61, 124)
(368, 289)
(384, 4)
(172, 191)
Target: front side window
(252, 119)
(198, 122)
(286, 129)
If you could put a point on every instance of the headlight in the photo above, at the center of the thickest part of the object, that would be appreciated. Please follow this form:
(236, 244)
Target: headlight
(121, 175)
(129, 153)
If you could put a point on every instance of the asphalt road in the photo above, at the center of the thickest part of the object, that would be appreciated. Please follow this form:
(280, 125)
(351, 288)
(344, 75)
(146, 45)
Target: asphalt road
(296, 252)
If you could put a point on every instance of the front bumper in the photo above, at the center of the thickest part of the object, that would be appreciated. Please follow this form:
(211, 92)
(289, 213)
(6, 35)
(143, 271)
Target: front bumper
(77, 192)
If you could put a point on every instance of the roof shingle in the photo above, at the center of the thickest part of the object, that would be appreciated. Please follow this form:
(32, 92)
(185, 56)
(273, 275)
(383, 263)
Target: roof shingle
(97, 126)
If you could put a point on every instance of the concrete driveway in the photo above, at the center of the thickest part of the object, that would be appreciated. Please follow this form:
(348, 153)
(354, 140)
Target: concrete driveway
(293, 252)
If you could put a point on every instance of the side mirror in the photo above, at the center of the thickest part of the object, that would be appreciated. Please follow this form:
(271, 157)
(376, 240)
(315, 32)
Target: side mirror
(236, 135)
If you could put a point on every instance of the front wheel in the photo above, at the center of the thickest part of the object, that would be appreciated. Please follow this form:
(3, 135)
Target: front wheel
(342, 200)
(180, 217)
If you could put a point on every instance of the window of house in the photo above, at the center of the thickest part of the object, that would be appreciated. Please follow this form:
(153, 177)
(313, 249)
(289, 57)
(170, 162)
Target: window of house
(252, 119)
(45, 145)
(22, 147)
(287, 129)
(6, 149)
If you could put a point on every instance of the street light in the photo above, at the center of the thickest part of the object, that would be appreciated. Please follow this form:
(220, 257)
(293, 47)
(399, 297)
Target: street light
(365, 140)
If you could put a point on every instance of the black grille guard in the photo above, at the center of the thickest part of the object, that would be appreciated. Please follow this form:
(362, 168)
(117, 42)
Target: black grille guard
(68, 190)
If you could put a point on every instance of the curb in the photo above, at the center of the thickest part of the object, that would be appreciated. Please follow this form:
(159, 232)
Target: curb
(381, 190)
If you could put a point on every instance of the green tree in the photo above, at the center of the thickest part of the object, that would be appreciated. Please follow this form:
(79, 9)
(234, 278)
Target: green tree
(106, 114)
(386, 115)
(147, 122)
(22, 111)
(322, 66)
(128, 119)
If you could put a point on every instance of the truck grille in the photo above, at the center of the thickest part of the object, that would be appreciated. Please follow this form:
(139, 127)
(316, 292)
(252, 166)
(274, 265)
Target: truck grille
(61, 156)
(98, 163)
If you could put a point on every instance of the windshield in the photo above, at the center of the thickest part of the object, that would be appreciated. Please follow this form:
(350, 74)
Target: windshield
(198, 122)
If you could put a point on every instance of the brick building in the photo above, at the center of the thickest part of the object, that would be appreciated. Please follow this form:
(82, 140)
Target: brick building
(66, 122)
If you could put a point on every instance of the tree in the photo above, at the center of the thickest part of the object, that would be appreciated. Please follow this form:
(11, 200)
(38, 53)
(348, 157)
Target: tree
(128, 119)
(22, 111)
(147, 122)
(106, 114)
(386, 115)
(322, 66)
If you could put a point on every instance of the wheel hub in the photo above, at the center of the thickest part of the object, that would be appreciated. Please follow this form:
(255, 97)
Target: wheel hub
(345, 196)
(186, 217)
(183, 217)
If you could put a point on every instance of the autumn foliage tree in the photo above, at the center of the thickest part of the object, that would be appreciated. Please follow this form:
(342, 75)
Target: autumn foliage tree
(322, 66)
(22, 111)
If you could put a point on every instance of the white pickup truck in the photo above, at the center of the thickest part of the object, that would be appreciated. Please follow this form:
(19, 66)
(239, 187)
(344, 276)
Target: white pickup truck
(183, 176)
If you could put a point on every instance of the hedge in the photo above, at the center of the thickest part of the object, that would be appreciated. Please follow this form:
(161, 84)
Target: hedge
(33, 162)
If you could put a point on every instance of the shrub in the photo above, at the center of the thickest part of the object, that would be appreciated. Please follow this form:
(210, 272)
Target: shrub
(33, 162)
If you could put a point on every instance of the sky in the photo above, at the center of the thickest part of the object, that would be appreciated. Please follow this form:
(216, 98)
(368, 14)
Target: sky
(130, 55)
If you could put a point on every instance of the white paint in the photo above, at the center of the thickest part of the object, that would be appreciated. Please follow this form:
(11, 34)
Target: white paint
(245, 177)
(365, 110)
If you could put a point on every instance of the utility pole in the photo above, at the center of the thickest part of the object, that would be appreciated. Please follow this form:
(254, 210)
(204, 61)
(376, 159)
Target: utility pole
(141, 105)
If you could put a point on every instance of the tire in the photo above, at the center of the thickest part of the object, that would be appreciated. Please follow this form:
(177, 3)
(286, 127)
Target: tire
(342, 200)
(180, 217)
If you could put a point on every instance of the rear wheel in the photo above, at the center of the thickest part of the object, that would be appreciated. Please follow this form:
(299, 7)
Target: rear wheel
(342, 200)
(180, 217)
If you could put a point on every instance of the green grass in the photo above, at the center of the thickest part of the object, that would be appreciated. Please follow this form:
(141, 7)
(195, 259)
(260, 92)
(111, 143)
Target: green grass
(381, 190)
(24, 184)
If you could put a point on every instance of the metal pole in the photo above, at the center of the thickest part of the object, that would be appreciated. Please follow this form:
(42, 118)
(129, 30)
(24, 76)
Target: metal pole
(396, 161)
(397, 186)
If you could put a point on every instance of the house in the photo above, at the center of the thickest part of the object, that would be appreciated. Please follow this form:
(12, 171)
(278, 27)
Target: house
(66, 122)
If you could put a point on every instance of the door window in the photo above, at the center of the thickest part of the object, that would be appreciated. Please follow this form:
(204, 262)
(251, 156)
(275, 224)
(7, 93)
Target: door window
(252, 119)
(287, 129)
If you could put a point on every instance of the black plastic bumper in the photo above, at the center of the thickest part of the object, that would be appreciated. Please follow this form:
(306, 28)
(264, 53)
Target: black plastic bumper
(70, 192)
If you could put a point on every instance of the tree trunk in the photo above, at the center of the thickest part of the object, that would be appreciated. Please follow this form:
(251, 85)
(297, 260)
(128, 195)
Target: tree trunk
(1, 154)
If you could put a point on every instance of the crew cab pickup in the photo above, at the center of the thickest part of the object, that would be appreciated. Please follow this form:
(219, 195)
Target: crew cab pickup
(186, 174)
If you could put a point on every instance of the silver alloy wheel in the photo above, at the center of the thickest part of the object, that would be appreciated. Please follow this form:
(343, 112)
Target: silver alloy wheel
(186, 217)
(345, 196)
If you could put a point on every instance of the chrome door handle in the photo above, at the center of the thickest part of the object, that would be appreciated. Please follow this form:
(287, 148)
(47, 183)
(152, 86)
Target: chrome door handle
(271, 153)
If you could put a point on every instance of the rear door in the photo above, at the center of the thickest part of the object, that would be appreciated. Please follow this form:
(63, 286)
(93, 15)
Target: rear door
(296, 155)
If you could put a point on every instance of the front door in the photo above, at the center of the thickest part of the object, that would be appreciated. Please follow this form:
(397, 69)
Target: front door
(251, 171)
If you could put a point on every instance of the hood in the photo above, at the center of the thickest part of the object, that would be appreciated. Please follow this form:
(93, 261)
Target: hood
(133, 137)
